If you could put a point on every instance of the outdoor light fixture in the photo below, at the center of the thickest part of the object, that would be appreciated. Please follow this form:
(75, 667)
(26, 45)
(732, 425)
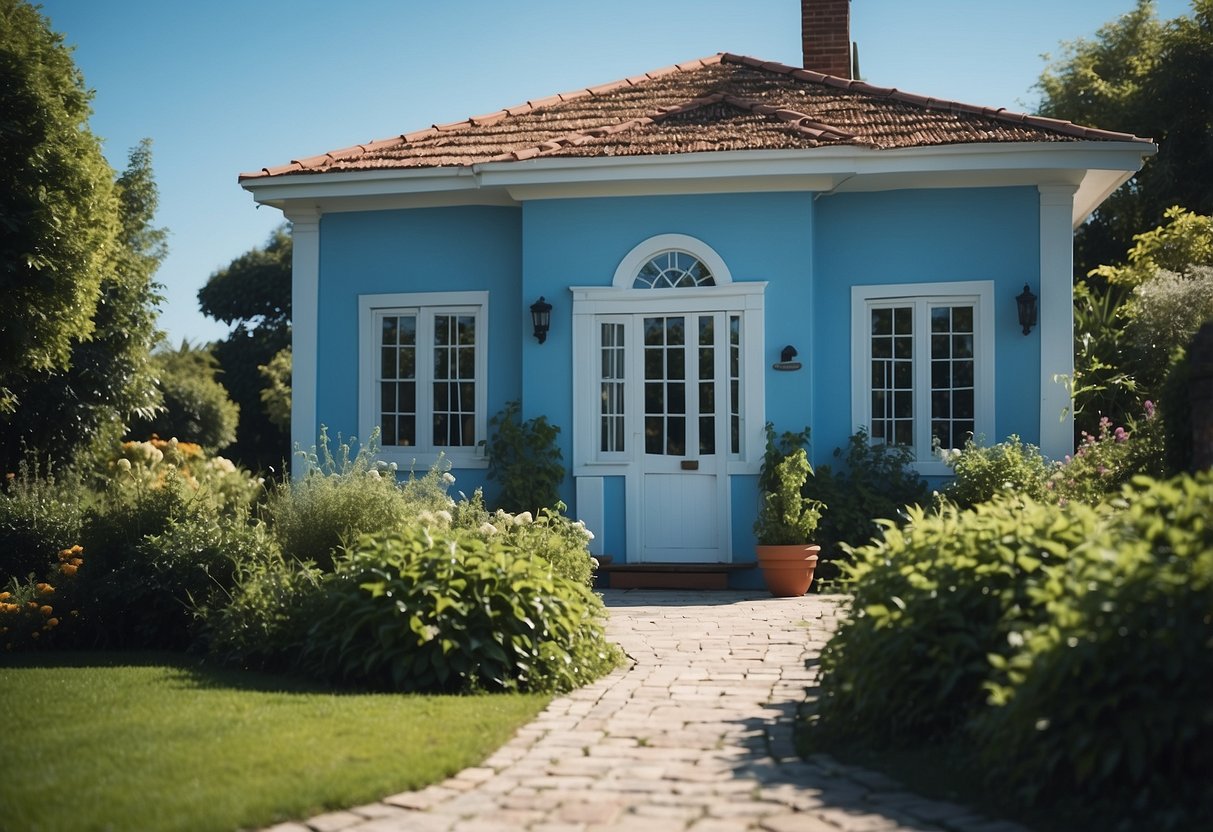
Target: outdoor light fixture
(541, 318)
(788, 353)
(1027, 309)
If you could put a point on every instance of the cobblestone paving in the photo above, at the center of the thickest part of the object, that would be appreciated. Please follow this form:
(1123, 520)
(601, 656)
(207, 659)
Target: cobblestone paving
(694, 734)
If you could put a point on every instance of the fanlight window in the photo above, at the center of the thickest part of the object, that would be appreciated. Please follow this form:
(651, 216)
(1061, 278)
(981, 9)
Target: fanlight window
(673, 270)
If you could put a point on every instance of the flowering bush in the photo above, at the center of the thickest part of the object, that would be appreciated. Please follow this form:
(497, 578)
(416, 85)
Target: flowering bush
(36, 614)
(153, 462)
(1104, 462)
(981, 472)
(41, 511)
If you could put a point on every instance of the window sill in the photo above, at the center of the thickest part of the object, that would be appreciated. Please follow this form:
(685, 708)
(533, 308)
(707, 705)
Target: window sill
(411, 459)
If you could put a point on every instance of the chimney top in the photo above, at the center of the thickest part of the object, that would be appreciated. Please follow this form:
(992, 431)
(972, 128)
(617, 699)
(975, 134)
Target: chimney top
(826, 36)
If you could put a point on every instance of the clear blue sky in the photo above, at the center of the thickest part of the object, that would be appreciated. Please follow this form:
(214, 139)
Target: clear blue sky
(228, 86)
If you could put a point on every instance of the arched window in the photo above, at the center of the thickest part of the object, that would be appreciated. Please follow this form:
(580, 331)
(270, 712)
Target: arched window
(671, 261)
(673, 270)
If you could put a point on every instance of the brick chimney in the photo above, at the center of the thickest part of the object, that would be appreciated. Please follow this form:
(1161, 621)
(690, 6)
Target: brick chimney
(826, 33)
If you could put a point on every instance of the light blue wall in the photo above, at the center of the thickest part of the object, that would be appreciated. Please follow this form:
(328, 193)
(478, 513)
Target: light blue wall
(919, 236)
(581, 242)
(416, 250)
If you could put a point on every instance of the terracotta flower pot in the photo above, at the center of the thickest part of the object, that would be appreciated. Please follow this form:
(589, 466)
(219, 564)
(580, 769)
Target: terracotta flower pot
(788, 570)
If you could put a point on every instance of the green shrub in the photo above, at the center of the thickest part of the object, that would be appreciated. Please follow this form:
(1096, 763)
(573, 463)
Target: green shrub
(981, 471)
(159, 553)
(931, 601)
(1071, 643)
(1103, 463)
(36, 615)
(785, 516)
(337, 499)
(524, 458)
(41, 512)
(1108, 700)
(419, 609)
(870, 483)
(263, 624)
(197, 407)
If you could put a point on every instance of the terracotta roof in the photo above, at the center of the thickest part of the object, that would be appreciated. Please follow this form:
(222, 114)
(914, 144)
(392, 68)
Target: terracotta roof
(723, 102)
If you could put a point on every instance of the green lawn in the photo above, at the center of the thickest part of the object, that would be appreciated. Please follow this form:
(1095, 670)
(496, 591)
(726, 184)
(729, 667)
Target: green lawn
(161, 742)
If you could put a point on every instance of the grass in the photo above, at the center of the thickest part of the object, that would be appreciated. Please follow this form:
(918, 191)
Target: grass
(162, 742)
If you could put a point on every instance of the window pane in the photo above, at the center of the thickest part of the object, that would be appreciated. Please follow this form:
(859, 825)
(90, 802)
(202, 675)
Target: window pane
(408, 330)
(707, 434)
(388, 362)
(389, 331)
(940, 346)
(442, 330)
(467, 362)
(654, 397)
(882, 321)
(407, 391)
(903, 375)
(962, 346)
(387, 397)
(962, 401)
(903, 320)
(442, 363)
(882, 347)
(903, 433)
(676, 443)
(941, 319)
(406, 430)
(467, 330)
(962, 373)
(941, 404)
(707, 397)
(388, 431)
(941, 375)
(677, 398)
(407, 366)
(654, 366)
(676, 363)
(653, 434)
(903, 404)
(903, 347)
(962, 319)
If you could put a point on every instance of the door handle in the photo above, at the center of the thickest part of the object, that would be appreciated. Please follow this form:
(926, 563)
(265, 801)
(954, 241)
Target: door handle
(690, 465)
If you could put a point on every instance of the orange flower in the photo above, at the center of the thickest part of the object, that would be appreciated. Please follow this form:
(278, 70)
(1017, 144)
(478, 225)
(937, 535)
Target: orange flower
(4, 596)
(52, 622)
(77, 549)
(46, 609)
(68, 569)
(45, 589)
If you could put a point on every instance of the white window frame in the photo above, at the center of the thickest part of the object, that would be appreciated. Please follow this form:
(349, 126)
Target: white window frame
(979, 294)
(424, 454)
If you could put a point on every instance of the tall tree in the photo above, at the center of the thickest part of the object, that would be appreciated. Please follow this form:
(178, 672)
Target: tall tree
(1150, 78)
(84, 408)
(254, 293)
(58, 210)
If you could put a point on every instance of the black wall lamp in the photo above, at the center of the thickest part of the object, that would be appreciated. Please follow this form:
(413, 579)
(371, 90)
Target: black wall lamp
(1027, 309)
(541, 318)
(788, 353)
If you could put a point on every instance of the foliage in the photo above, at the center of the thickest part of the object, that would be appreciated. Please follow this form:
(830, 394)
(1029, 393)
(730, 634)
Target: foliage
(149, 464)
(1184, 240)
(1164, 314)
(161, 551)
(58, 210)
(1012, 467)
(1103, 382)
(785, 515)
(871, 482)
(443, 610)
(116, 735)
(35, 614)
(254, 293)
(1108, 697)
(1105, 461)
(1175, 404)
(1070, 641)
(525, 459)
(196, 406)
(1148, 78)
(263, 624)
(551, 536)
(75, 413)
(41, 513)
(276, 395)
(341, 497)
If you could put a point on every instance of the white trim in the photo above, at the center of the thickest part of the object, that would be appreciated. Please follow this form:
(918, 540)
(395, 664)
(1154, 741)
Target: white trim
(423, 455)
(980, 293)
(1095, 168)
(305, 324)
(634, 260)
(1056, 321)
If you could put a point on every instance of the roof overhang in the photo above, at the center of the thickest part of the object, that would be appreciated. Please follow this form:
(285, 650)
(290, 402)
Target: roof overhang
(1093, 168)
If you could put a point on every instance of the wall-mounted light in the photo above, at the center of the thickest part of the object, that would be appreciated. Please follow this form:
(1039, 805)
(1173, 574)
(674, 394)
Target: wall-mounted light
(1027, 309)
(541, 318)
(788, 353)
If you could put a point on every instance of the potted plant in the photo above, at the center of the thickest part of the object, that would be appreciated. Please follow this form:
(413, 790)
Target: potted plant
(786, 523)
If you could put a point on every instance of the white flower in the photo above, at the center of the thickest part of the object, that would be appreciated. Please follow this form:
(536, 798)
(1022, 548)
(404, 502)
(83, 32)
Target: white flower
(373, 474)
(124, 465)
(448, 478)
(488, 529)
(589, 535)
(523, 519)
(425, 518)
(594, 563)
(444, 516)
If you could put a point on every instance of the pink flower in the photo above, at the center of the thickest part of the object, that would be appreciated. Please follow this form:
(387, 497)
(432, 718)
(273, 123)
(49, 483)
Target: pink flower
(1120, 435)
(1149, 409)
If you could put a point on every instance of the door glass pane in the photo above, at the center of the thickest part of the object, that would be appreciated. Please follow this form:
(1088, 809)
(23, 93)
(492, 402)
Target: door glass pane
(892, 374)
(611, 412)
(734, 384)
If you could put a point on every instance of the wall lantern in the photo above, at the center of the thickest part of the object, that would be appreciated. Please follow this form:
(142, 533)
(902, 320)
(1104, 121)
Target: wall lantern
(788, 353)
(541, 318)
(1027, 309)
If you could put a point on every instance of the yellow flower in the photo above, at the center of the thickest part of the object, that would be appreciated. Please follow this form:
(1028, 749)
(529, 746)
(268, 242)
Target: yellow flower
(4, 596)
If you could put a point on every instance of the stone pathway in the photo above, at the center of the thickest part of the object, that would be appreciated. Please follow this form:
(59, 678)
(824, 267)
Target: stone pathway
(695, 734)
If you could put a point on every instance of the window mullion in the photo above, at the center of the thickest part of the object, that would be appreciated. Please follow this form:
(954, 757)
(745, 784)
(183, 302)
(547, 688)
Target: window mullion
(425, 379)
(922, 379)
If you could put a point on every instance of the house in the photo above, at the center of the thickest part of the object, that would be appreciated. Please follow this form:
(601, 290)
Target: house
(723, 243)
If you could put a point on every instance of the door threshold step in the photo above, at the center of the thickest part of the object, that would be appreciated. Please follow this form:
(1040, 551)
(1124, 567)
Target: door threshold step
(670, 575)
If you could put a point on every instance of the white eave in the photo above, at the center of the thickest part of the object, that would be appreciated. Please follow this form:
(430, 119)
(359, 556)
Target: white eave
(1094, 168)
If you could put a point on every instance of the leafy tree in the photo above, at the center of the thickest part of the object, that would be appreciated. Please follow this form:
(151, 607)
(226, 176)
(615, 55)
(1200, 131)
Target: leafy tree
(254, 293)
(58, 209)
(276, 396)
(196, 406)
(1150, 78)
(75, 413)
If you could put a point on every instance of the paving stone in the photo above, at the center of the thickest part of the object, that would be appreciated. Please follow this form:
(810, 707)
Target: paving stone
(695, 732)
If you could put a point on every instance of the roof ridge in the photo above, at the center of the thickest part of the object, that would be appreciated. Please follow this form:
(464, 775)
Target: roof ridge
(1000, 114)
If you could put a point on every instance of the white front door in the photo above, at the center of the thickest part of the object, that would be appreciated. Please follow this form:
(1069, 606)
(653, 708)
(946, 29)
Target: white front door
(686, 427)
